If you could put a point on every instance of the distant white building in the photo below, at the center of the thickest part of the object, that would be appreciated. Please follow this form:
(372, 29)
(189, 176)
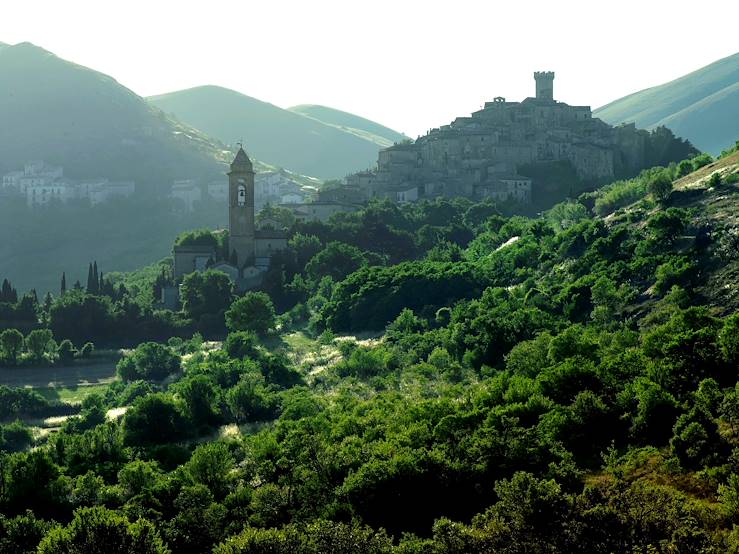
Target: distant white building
(277, 187)
(39, 173)
(43, 192)
(187, 191)
(41, 183)
(12, 180)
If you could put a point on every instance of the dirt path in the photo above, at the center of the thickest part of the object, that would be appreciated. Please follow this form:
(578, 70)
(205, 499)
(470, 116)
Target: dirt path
(60, 377)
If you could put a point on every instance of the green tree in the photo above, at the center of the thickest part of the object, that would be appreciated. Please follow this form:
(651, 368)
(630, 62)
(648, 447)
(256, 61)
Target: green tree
(30, 483)
(15, 437)
(154, 419)
(252, 312)
(211, 465)
(696, 440)
(37, 342)
(81, 317)
(660, 186)
(206, 292)
(336, 260)
(150, 361)
(305, 246)
(22, 534)
(665, 227)
(728, 340)
(138, 476)
(199, 395)
(99, 530)
(199, 521)
(250, 400)
(685, 167)
(241, 344)
(11, 344)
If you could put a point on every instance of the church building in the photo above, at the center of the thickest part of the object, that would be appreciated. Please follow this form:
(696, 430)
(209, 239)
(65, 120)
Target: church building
(250, 249)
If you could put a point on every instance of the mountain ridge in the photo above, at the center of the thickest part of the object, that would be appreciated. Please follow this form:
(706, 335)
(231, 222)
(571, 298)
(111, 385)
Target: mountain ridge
(694, 105)
(350, 122)
(86, 121)
(277, 136)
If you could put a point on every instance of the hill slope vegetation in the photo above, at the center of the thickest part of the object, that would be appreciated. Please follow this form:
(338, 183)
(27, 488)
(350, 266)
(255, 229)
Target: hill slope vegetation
(69, 115)
(559, 384)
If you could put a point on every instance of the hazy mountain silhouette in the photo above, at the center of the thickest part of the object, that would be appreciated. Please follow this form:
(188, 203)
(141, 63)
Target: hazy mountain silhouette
(702, 106)
(277, 136)
(66, 114)
(351, 123)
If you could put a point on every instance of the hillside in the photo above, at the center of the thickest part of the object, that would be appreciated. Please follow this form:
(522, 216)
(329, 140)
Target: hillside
(70, 115)
(354, 124)
(453, 379)
(279, 137)
(530, 383)
(702, 106)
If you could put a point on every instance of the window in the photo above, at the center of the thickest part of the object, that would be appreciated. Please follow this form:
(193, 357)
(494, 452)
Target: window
(241, 196)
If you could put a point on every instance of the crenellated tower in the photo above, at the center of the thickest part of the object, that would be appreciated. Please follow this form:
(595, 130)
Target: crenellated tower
(544, 85)
(241, 209)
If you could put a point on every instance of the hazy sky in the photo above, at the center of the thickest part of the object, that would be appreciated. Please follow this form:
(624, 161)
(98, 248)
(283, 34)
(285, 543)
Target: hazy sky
(410, 65)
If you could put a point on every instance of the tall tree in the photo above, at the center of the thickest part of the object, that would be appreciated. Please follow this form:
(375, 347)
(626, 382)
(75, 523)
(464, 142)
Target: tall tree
(8, 293)
(90, 282)
(63, 288)
(11, 343)
(95, 278)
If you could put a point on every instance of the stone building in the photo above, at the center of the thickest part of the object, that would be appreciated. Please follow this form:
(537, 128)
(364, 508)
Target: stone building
(328, 202)
(483, 155)
(250, 249)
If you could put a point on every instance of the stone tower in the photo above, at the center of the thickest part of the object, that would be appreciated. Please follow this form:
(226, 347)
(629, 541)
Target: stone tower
(544, 85)
(241, 209)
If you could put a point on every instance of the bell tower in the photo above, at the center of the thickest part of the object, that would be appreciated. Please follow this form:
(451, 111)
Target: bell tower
(241, 210)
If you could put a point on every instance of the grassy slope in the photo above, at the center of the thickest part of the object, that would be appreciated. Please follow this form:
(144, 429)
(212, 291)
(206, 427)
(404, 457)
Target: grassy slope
(360, 126)
(70, 115)
(653, 106)
(711, 123)
(279, 137)
(710, 208)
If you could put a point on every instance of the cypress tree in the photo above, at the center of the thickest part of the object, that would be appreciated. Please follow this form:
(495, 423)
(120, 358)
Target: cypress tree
(77, 285)
(96, 281)
(90, 283)
(48, 301)
(64, 283)
(5, 291)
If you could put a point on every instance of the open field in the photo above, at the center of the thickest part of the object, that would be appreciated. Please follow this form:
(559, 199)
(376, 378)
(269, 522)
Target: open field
(100, 373)
(71, 395)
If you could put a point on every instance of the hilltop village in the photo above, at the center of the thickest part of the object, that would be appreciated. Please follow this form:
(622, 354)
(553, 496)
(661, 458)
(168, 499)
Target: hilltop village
(501, 151)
